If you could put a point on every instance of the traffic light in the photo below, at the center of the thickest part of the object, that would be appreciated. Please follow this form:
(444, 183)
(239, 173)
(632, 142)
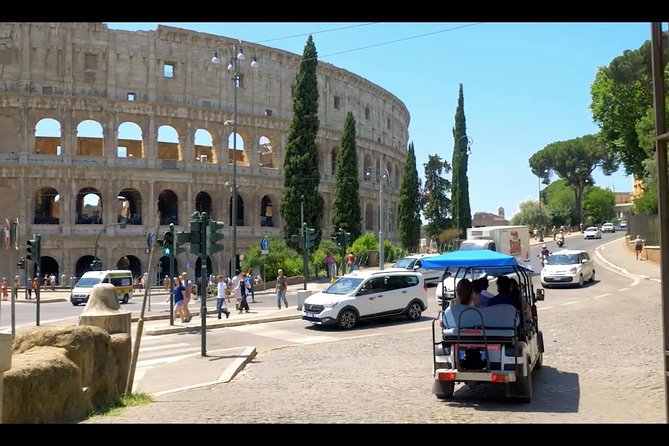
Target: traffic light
(310, 238)
(215, 236)
(33, 249)
(168, 241)
(180, 239)
(22, 263)
(196, 237)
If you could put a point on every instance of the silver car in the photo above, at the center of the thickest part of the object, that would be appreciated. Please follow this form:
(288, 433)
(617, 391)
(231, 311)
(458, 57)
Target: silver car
(568, 267)
(592, 232)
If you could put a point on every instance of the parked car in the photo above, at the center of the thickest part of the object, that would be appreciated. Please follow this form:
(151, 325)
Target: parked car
(568, 267)
(414, 263)
(623, 224)
(608, 227)
(367, 294)
(592, 232)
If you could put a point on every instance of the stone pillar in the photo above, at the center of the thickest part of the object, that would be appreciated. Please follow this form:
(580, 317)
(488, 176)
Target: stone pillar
(103, 310)
(5, 362)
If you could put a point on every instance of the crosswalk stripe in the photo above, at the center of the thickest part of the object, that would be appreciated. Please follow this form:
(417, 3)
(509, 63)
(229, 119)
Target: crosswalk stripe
(162, 347)
(283, 335)
(162, 353)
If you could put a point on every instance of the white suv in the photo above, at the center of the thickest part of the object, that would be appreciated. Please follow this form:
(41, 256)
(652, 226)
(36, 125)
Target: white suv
(414, 263)
(567, 267)
(364, 295)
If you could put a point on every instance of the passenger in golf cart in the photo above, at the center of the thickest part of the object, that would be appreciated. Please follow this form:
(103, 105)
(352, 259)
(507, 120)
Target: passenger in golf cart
(495, 344)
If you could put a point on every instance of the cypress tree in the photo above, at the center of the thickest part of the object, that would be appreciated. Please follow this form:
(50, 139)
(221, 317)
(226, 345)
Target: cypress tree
(301, 174)
(460, 208)
(409, 204)
(346, 212)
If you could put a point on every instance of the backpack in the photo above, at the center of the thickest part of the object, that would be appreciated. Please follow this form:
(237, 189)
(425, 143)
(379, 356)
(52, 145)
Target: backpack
(638, 244)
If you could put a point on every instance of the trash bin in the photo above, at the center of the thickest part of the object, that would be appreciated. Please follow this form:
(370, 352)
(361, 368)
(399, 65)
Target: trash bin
(373, 258)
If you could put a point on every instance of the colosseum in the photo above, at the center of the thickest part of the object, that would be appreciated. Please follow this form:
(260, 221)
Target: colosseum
(102, 131)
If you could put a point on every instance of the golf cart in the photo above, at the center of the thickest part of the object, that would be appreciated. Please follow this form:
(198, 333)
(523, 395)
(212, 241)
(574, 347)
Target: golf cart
(499, 344)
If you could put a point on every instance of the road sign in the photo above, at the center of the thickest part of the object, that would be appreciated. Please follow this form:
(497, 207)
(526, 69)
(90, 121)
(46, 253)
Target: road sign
(264, 244)
(149, 239)
(264, 252)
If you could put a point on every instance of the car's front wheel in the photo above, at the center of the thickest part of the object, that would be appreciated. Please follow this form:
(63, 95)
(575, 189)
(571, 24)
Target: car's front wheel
(347, 319)
(580, 280)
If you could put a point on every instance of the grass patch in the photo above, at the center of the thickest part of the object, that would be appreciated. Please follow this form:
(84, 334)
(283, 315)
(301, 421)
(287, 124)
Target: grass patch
(135, 399)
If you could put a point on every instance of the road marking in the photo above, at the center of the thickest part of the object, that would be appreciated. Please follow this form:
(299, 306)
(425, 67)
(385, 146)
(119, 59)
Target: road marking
(602, 295)
(569, 303)
(164, 360)
(162, 354)
(612, 267)
(624, 289)
(162, 347)
(284, 335)
(544, 308)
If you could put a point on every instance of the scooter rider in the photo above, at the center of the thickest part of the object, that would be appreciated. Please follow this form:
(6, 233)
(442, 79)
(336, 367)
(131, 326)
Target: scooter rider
(560, 239)
(543, 255)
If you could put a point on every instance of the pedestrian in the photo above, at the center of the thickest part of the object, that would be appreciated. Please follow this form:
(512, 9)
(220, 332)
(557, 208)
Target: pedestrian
(350, 261)
(17, 284)
(221, 294)
(329, 262)
(29, 288)
(249, 284)
(178, 292)
(5, 286)
(185, 281)
(281, 286)
(242, 293)
(638, 247)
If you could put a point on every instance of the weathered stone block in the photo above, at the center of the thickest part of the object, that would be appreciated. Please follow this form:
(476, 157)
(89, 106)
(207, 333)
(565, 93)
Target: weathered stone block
(103, 310)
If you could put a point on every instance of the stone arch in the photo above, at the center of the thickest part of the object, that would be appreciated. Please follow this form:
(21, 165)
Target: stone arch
(240, 210)
(90, 138)
(83, 265)
(333, 160)
(265, 152)
(9, 136)
(132, 263)
(49, 266)
(89, 206)
(203, 203)
(47, 207)
(267, 212)
(204, 146)
(130, 207)
(48, 137)
(398, 179)
(168, 143)
(168, 206)
(238, 140)
(367, 167)
(369, 217)
(391, 178)
(130, 143)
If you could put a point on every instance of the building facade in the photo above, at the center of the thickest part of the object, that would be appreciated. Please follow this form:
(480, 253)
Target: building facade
(101, 129)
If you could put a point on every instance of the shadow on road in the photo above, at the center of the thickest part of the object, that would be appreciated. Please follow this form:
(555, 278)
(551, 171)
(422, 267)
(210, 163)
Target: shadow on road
(554, 391)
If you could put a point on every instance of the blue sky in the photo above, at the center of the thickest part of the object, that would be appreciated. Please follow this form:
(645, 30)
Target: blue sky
(526, 85)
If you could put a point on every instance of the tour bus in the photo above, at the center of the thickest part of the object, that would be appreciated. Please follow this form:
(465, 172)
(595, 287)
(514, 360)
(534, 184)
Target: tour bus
(121, 279)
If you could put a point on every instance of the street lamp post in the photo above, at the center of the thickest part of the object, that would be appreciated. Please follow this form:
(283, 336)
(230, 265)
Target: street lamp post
(386, 174)
(541, 232)
(233, 67)
(97, 240)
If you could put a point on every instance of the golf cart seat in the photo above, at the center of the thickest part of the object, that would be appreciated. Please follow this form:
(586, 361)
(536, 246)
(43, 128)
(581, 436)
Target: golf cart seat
(495, 321)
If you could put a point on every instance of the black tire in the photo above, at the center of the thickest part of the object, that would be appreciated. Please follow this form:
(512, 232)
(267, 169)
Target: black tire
(580, 281)
(414, 311)
(125, 299)
(443, 389)
(524, 384)
(540, 361)
(347, 319)
(592, 278)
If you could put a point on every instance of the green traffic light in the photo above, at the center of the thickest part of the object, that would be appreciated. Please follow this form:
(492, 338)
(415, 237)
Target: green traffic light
(166, 251)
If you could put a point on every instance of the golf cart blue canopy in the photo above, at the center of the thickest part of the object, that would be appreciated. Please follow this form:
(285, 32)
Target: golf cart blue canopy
(470, 258)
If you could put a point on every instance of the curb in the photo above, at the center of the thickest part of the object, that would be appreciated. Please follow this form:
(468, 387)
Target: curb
(154, 331)
(41, 301)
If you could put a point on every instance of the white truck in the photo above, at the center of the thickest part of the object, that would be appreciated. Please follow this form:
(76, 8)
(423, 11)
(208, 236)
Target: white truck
(511, 240)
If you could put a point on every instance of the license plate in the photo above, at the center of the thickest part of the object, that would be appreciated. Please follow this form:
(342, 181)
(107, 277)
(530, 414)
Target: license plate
(311, 314)
(461, 354)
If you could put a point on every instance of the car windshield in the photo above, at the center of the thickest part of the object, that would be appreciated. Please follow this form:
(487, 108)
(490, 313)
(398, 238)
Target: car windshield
(591, 229)
(405, 263)
(343, 286)
(88, 282)
(563, 259)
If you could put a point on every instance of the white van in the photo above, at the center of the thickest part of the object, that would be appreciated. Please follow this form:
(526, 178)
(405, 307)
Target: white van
(121, 279)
